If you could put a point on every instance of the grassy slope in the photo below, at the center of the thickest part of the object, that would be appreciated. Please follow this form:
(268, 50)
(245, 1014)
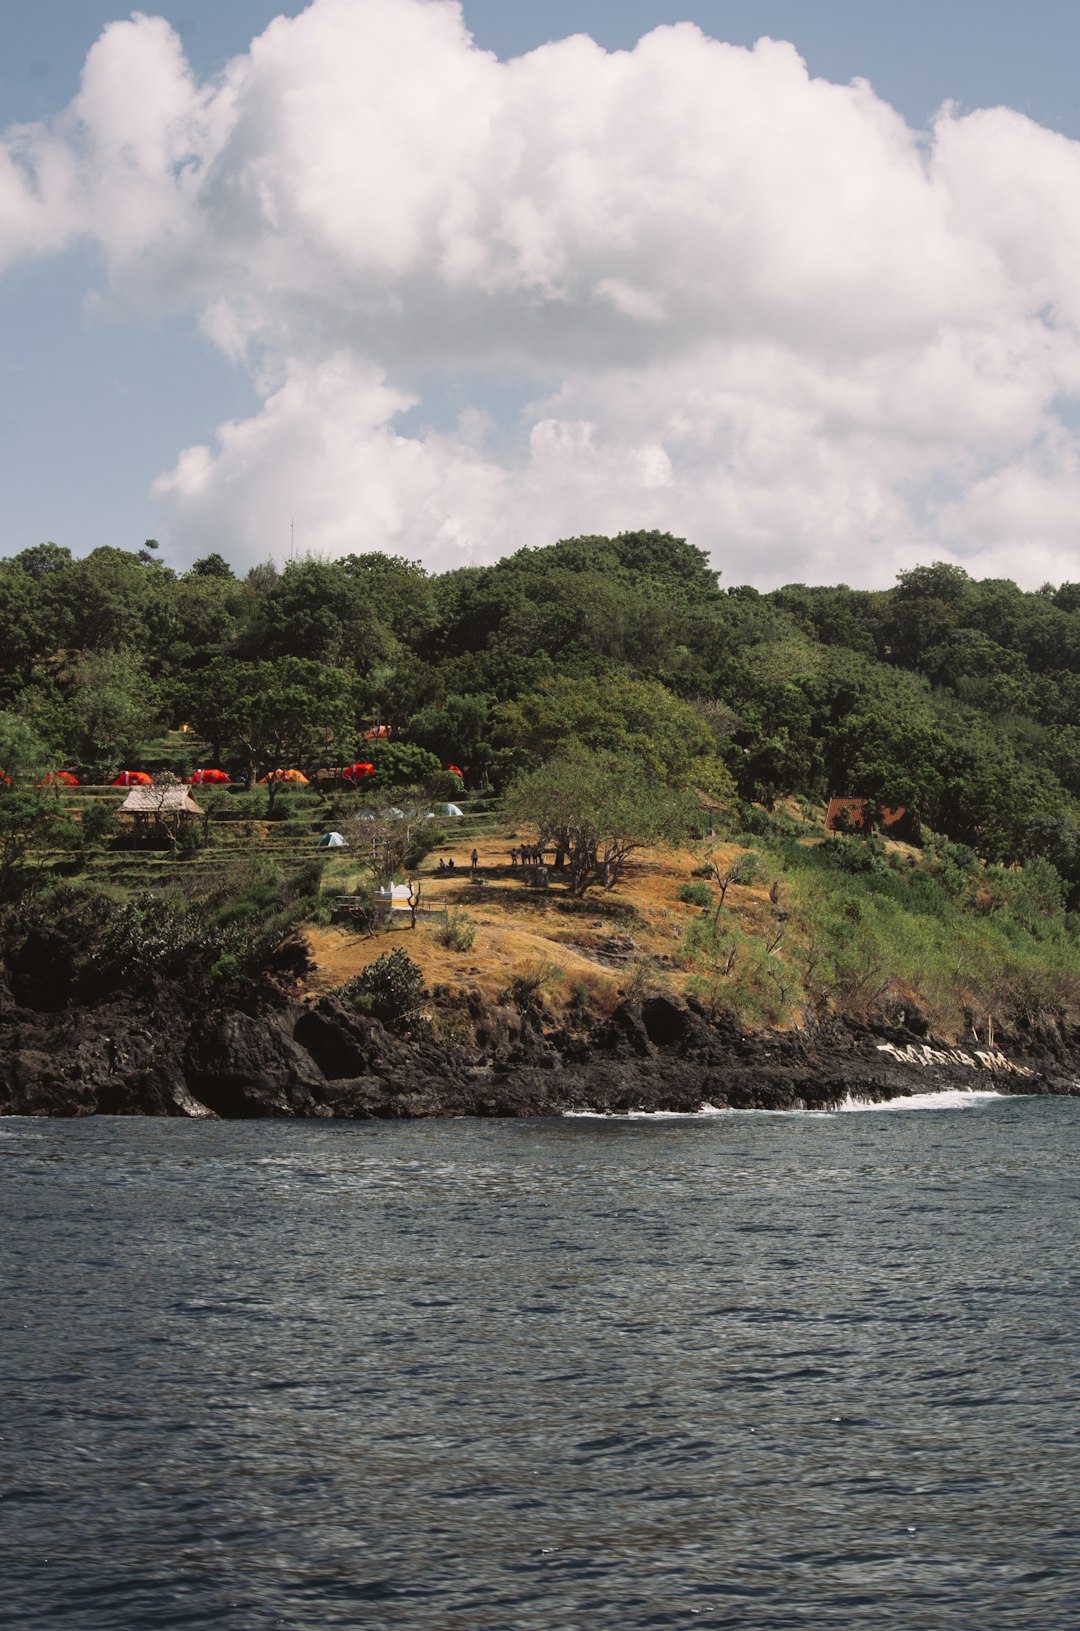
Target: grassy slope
(961, 942)
(914, 929)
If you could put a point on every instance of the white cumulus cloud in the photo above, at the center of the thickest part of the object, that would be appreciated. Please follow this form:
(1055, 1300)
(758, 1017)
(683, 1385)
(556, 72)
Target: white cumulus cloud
(738, 302)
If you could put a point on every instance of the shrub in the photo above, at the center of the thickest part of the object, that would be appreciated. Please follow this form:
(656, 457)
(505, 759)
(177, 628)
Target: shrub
(452, 1026)
(644, 977)
(579, 996)
(696, 894)
(526, 989)
(391, 988)
(458, 933)
(188, 839)
(99, 825)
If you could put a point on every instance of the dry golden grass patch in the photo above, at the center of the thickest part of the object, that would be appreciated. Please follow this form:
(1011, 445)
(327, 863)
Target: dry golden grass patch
(520, 930)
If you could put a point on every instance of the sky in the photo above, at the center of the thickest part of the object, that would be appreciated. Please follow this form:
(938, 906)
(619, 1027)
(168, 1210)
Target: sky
(798, 280)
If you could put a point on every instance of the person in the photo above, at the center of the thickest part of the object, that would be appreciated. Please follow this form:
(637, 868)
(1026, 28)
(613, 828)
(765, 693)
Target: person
(513, 857)
(442, 864)
(450, 864)
(475, 859)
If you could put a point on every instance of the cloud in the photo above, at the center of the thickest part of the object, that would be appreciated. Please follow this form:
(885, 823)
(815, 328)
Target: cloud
(741, 303)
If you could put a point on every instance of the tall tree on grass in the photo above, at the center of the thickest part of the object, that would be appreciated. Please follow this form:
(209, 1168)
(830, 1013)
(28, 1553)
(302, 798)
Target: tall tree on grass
(597, 809)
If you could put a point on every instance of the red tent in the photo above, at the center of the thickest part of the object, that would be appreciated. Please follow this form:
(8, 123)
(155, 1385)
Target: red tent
(216, 777)
(357, 772)
(63, 777)
(456, 771)
(133, 778)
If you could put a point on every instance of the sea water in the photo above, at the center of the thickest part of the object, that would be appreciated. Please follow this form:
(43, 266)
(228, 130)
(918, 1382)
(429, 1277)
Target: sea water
(760, 1371)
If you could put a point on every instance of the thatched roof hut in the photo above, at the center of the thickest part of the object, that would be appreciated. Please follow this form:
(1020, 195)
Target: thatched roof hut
(160, 801)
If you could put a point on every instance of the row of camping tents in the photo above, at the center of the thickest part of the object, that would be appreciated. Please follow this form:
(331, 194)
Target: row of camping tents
(336, 840)
(218, 778)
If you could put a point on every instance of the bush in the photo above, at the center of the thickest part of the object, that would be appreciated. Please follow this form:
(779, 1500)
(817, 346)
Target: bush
(644, 977)
(155, 933)
(758, 823)
(526, 989)
(99, 825)
(458, 933)
(391, 988)
(696, 894)
(188, 839)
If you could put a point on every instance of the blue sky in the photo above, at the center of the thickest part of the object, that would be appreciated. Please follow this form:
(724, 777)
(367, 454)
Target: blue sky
(116, 360)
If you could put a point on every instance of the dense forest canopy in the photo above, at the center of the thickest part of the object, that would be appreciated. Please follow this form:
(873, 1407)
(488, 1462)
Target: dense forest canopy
(955, 698)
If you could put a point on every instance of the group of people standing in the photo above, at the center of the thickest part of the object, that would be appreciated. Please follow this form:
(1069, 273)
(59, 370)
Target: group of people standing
(523, 855)
(527, 855)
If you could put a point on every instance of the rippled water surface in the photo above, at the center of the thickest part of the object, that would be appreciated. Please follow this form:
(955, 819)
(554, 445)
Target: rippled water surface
(753, 1371)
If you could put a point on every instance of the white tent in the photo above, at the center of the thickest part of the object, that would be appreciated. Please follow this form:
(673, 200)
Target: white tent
(448, 810)
(333, 840)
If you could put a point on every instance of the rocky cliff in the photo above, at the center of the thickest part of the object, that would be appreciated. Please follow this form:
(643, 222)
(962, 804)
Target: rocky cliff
(168, 1050)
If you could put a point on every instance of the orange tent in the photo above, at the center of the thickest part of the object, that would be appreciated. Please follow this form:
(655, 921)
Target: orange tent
(217, 777)
(133, 778)
(379, 732)
(285, 776)
(62, 777)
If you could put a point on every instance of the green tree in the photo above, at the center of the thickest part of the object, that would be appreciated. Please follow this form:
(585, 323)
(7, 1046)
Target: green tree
(597, 812)
(666, 739)
(318, 611)
(112, 708)
(26, 820)
(23, 755)
(292, 713)
(212, 566)
(455, 729)
(402, 764)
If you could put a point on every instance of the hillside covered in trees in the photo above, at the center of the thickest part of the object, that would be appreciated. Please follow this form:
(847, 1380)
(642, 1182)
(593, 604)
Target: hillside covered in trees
(668, 742)
(957, 699)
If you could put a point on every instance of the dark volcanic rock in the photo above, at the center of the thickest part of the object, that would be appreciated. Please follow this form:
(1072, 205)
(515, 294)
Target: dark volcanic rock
(42, 971)
(263, 1053)
(240, 1064)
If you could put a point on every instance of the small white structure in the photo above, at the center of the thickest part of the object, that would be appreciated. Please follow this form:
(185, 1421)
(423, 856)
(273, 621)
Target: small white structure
(398, 897)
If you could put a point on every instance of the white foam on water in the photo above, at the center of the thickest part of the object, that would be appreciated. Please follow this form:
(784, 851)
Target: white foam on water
(947, 1099)
(704, 1113)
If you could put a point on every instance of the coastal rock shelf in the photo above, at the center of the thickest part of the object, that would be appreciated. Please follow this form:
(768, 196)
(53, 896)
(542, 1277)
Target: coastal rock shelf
(265, 1053)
